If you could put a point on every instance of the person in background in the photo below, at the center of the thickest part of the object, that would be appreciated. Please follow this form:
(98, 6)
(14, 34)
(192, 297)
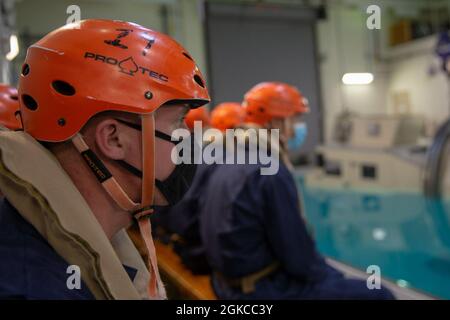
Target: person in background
(9, 108)
(201, 115)
(255, 238)
(177, 226)
(227, 115)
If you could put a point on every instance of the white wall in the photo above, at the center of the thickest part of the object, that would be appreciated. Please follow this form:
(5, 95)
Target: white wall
(420, 75)
(346, 45)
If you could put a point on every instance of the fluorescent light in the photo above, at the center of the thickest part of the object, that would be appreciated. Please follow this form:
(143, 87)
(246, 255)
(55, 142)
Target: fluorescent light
(357, 78)
(14, 48)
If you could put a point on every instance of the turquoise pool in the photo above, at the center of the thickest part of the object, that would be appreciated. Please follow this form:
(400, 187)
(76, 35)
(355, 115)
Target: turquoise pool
(406, 235)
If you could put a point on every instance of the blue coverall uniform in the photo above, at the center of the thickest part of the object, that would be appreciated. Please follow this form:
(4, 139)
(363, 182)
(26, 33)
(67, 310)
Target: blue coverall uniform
(249, 221)
(29, 267)
(183, 220)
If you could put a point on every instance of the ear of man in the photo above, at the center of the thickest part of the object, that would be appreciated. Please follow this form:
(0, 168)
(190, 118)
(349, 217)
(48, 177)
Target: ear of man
(111, 139)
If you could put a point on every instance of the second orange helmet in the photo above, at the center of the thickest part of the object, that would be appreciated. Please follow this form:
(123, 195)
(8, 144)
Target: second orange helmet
(199, 114)
(9, 107)
(269, 100)
(227, 115)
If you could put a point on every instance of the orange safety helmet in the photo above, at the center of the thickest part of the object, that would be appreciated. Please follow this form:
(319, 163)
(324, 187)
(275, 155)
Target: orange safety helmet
(199, 114)
(269, 100)
(227, 115)
(92, 66)
(9, 107)
(87, 67)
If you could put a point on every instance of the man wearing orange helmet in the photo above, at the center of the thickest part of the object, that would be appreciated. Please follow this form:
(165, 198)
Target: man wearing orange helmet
(9, 107)
(227, 115)
(276, 105)
(99, 100)
(254, 236)
(200, 114)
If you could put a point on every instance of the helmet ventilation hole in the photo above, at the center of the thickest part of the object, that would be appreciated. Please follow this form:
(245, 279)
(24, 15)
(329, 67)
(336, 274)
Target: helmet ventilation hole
(25, 69)
(14, 97)
(261, 109)
(63, 88)
(29, 102)
(199, 81)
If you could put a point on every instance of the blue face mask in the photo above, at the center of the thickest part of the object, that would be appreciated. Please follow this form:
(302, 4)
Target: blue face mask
(300, 133)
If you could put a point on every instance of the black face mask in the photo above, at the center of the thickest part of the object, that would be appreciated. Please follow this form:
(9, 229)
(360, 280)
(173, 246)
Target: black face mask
(175, 186)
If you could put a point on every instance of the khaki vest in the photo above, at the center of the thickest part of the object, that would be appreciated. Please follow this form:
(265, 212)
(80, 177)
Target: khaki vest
(41, 191)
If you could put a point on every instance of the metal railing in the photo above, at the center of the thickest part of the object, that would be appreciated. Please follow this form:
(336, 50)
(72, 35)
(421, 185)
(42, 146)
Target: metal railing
(435, 165)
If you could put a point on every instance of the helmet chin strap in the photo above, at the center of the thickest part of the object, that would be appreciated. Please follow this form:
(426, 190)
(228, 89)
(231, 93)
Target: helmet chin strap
(140, 211)
(156, 288)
